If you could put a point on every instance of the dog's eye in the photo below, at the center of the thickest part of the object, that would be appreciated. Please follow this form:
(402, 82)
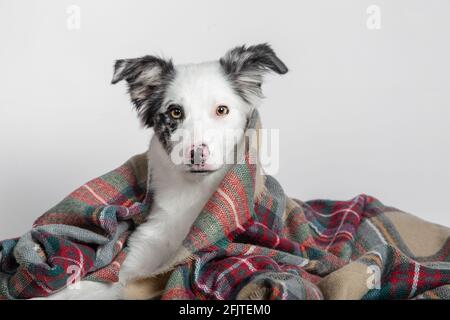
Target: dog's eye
(175, 111)
(222, 111)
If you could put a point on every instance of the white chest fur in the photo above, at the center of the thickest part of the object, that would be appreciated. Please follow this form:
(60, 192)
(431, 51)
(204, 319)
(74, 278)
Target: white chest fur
(177, 201)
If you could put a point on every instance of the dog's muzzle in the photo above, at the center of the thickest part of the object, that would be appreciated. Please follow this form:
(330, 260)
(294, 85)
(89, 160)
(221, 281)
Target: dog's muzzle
(198, 156)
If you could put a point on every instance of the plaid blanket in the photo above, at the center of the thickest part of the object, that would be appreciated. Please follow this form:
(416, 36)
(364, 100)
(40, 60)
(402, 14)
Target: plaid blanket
(251, 241)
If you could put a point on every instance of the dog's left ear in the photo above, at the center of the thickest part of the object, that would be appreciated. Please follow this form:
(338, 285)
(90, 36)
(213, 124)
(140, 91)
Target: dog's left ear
(146, 77)
(147, 69)
(246, 66)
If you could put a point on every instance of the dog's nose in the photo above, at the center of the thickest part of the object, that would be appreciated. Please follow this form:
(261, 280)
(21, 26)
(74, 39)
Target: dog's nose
(199, 154)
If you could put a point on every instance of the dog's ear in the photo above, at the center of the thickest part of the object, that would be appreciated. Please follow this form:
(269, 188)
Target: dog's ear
(246, 66)
(147, 78)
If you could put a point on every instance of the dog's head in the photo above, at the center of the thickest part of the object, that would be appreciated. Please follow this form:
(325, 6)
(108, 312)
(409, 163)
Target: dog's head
(198, 111)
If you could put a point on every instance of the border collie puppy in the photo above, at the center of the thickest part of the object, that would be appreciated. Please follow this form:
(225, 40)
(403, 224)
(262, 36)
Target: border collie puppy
(200, 103)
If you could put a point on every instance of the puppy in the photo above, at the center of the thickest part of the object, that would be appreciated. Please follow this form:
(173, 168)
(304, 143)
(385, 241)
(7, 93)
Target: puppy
(198, 113)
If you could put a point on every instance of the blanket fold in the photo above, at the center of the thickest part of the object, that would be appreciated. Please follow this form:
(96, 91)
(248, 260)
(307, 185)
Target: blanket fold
(251, 241)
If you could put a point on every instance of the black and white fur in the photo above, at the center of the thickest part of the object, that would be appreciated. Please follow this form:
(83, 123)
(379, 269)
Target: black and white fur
(180, 190)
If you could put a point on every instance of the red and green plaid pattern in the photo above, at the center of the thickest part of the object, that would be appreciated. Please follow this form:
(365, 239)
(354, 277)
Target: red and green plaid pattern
(81, 237)
(250, 241)
(275, 251)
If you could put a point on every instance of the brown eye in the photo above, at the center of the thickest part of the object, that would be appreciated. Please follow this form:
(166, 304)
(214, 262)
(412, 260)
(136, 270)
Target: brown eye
(222, 111)
(175, 112)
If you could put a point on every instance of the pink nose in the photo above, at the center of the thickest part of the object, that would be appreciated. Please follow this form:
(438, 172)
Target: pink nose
(199, 154)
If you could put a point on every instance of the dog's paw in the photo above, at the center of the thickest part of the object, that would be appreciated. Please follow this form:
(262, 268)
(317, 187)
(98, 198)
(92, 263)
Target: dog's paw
(137, 267)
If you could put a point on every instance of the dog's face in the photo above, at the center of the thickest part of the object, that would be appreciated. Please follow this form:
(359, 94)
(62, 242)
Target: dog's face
(199, 111)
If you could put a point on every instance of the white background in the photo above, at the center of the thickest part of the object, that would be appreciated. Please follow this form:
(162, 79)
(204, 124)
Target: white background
(362, 111)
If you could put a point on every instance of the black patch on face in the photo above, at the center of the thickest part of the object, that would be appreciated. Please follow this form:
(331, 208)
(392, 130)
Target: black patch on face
(147, 78)
(164, 126)
(245, 67)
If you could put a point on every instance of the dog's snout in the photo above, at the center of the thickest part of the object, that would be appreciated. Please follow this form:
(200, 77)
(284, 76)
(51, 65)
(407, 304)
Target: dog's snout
(199, 154)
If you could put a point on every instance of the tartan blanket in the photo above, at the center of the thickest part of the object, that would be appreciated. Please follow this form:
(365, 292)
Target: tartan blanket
(251, 241)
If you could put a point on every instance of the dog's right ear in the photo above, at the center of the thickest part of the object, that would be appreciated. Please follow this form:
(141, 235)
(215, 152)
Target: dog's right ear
(246, 66)
(146, 77)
